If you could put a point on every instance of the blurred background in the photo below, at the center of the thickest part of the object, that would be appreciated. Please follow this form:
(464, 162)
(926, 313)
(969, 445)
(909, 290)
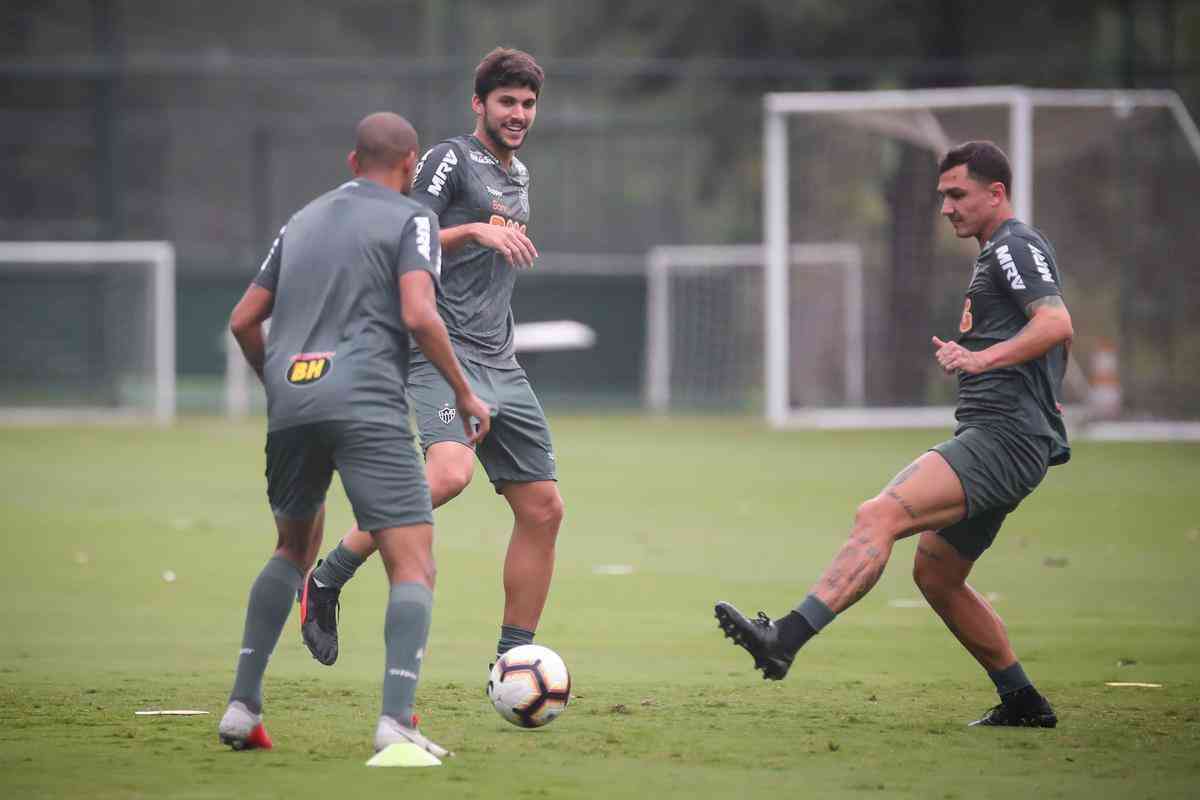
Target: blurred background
(207, 125)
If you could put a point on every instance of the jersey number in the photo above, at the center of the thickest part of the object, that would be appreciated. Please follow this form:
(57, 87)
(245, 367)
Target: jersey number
(967, 320)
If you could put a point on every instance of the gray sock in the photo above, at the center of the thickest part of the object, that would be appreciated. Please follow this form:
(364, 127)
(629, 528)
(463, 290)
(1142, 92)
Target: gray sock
(271, 597)
(511, 636)
(338, 567)
(1010, 679)
(815, 612)
(405, 632)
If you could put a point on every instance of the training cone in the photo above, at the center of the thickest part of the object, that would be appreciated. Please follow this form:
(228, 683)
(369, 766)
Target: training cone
(403, 754)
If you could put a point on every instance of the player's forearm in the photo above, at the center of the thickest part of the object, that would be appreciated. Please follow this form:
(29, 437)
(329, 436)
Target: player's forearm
(1045, 330)
(253, 344)
(455, 238)
(430, 335)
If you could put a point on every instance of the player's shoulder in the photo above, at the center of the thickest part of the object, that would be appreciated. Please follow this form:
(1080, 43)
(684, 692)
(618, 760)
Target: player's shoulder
(519, 170)
(1024, 234)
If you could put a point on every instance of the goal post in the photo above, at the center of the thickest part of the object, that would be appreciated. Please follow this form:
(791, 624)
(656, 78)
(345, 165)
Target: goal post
(710, 299)
(1082, 160)
(127, 290)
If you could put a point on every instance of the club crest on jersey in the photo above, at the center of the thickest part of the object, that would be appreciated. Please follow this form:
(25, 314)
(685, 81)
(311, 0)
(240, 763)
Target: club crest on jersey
(306, 368)
(446, 414)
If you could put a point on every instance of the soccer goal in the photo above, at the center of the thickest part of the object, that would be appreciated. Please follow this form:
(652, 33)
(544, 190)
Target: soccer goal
(705, 333)
(89, 329)
(1109, 176)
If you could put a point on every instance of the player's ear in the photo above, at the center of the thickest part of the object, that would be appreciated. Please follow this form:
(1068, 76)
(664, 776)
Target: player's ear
(477, 104)
(352, 161)
(996, 190)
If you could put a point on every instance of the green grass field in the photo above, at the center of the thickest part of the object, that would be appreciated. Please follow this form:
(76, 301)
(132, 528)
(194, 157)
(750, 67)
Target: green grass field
(1096, 576)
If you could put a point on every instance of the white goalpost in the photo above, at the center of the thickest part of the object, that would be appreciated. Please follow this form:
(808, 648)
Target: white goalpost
(704, 321)
(91, 327)
(862, 132)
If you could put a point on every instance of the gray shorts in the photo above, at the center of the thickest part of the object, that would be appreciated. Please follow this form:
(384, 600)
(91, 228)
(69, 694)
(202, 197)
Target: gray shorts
(518, 447)
(998, 469)
(380, 468)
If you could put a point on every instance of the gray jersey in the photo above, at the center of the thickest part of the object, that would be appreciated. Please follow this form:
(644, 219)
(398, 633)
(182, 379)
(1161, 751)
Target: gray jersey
(337, 347)
(462, 183)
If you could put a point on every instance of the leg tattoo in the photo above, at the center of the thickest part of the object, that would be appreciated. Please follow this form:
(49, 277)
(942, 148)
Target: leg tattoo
(854, 572)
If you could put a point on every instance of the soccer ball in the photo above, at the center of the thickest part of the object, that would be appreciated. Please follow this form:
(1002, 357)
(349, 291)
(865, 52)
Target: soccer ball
(529, 686)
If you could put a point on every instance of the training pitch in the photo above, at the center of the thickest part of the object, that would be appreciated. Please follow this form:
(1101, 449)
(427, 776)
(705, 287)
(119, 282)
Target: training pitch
(129, 553)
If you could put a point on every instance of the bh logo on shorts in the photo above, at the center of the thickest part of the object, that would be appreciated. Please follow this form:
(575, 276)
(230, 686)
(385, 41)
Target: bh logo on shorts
(446, 414)
(306, 368)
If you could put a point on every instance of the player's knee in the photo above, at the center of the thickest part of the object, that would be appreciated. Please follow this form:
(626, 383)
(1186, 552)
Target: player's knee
(451, 478)
(543, 511)
(876, 517)
(933, 581)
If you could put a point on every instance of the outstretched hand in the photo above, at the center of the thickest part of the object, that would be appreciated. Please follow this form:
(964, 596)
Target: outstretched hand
(952, 357)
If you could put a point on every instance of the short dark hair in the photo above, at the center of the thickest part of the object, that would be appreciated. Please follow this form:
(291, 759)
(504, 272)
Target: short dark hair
(507, 67)
(986, 163)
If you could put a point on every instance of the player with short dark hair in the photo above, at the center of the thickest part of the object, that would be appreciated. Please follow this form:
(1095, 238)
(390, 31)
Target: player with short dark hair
(1010, 357)
(348, 280)
(479, 190)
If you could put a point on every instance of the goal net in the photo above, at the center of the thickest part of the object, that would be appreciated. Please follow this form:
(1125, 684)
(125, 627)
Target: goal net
(89, 329)
(705, 337)
(1109, 176)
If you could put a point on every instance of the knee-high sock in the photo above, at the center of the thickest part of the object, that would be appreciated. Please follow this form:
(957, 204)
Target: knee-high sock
(406, 629)
(338, 567)
(271, 597)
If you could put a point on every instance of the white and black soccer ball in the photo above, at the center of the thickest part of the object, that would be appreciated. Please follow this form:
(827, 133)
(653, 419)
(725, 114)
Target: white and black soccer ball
(529, 686)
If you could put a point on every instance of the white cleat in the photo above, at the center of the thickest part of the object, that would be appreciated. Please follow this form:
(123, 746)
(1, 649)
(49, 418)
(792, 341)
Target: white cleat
(390, 732)
(242, 729)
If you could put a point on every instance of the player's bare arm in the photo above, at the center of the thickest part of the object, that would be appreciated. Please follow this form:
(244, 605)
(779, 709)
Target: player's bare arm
(418, 306)
(516, 247)
(246, 321)
(1049, 325)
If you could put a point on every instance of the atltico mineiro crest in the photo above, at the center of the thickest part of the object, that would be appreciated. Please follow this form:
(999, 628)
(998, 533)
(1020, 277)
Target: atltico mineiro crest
(446, 414)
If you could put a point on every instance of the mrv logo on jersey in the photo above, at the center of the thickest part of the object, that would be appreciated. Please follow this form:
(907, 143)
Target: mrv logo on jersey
(306, 368)
(438, 182)
(1009, 267)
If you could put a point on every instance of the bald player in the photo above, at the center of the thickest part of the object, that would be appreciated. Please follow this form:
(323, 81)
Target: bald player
(348, 280)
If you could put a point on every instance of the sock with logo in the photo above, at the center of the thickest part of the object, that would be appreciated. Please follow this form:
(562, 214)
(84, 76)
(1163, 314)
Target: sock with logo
(406, 629)
(511, 636)
(271, 597)
(338, 567)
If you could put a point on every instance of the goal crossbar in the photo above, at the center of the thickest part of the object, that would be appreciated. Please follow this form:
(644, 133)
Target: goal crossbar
(160, 257)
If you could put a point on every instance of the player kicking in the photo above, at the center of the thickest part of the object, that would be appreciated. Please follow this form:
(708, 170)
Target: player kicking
(1010, 358)
(349, 278)
(480, 193)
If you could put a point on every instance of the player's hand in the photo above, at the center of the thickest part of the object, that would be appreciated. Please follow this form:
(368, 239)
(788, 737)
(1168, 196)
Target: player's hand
(952, 357)
(516, 247)
(475, 415)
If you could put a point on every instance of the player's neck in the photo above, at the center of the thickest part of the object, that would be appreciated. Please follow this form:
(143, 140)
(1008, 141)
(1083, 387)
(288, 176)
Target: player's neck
(985, 235)
(501, 154)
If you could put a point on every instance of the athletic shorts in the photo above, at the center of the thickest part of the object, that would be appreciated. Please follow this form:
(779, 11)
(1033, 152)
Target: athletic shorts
(518, 447)
(380, 468)
(998, 469)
